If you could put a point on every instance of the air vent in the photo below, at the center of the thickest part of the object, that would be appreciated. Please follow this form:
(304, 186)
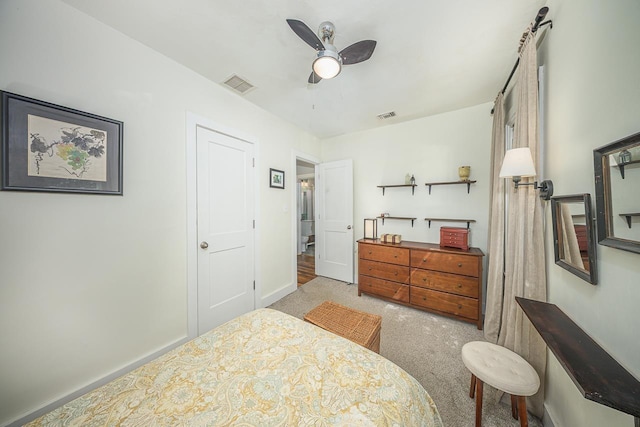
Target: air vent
(239, 84)
(388, 115)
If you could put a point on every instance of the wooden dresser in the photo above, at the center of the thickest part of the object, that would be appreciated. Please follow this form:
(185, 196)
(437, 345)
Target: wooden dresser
(446, 281)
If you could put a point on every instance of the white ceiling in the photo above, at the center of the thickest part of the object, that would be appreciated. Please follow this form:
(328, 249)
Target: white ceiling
(432, 56)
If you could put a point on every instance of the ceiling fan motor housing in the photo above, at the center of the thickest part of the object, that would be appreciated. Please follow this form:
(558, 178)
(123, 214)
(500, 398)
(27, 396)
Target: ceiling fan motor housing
(326, 32)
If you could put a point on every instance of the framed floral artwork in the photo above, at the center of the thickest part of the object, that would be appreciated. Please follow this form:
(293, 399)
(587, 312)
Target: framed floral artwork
(47, 147)
(276, 178)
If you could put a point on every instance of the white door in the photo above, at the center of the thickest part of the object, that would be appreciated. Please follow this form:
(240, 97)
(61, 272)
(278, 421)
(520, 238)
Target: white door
(225, 176)
(334, 220)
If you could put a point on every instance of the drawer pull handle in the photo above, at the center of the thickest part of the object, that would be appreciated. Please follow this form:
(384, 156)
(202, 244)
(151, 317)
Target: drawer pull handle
(459, 285)
(395, 256)
(424, 259)
(424, 279)
(396, 273)
(459, 306)
(424, 298)
(459, 264)
(370, 268)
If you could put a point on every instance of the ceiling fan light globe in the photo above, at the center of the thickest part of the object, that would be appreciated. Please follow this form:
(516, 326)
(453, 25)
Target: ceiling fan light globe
(327, 64)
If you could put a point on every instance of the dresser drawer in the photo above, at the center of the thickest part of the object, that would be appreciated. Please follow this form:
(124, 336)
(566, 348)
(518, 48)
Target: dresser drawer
(447, 282)
(384, 254)
(396, 273)
(384, 288)
(446, 262)
(444, 302)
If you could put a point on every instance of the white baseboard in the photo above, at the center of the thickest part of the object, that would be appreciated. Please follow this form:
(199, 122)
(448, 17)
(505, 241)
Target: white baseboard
(68, 398)
(279, 294)
(547, 421)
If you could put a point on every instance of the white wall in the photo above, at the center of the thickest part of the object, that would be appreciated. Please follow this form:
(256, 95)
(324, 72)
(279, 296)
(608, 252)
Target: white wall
(90, 284)
(593, 98)
(431, 149)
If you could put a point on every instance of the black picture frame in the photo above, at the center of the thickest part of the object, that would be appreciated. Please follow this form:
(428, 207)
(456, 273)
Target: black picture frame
(584, 234)
(276, 178)
(608, 216)
(51, 148)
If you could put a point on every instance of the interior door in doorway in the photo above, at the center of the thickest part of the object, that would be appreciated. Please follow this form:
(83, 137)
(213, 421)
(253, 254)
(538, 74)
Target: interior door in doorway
(334, 220)
(225, 199)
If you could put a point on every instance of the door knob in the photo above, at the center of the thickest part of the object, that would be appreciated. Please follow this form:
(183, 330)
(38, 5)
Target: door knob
(348, 227)
(204, 245)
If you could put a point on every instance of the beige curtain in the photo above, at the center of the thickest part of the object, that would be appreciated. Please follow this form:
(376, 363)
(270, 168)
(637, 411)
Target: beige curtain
(524, 267)
(495, 256)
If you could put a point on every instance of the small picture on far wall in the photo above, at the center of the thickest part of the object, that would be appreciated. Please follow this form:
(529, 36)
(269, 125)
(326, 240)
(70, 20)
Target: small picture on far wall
(276, 178)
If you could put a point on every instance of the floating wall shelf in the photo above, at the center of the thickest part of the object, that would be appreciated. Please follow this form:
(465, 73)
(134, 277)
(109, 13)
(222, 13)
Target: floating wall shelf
(429, 184)
(628, 216)
(622, 166)
(413, 187)
(468, 221)
(598, 376)
(403, 218)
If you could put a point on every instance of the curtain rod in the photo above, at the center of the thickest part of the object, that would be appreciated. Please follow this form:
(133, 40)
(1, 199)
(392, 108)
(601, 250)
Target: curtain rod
(537, 23)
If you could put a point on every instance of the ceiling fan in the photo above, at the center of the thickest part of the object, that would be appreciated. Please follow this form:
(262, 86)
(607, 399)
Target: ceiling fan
(329, 61)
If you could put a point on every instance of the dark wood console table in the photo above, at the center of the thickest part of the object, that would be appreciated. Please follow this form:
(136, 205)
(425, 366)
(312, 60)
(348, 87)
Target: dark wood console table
(596, 374)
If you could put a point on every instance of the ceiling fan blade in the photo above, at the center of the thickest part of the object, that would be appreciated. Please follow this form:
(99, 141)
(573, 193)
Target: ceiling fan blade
(358, 52)
(314, 78)
(305, 33)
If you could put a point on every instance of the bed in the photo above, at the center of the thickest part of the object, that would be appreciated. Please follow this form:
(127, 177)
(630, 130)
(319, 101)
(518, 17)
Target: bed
(264, 368)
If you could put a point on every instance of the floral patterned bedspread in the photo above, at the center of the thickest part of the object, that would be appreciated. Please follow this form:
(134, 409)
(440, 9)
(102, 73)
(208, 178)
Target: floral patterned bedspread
(264, 368)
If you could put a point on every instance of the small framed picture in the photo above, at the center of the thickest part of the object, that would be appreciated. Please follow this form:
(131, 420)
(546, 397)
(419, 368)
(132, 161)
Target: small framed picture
(276, 178)
(48, 147)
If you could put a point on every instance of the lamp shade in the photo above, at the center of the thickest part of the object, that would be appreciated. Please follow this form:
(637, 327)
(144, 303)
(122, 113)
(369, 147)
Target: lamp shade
(517, 162)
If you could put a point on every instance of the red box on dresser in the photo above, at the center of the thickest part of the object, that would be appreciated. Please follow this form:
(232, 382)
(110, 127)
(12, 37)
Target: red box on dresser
(454, 237)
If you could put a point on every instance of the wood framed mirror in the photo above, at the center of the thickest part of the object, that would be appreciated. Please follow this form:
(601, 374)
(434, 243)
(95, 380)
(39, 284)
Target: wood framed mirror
(617, 178)
(573, 235)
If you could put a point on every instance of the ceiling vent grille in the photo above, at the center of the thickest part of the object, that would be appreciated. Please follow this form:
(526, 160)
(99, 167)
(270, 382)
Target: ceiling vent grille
(388, 115)
(239, 84)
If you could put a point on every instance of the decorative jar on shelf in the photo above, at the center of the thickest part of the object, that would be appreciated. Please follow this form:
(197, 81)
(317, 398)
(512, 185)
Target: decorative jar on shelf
(464, 172)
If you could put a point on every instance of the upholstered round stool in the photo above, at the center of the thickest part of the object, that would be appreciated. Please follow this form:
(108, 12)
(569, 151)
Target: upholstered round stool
(503, 369)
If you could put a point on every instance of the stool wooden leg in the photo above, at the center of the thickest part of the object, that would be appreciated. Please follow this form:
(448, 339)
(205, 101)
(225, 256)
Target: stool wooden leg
(522, 411)
(478, 402)
(472, 389)
(514, 407)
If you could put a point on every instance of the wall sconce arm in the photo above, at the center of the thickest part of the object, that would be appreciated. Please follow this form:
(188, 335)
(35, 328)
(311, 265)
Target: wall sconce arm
(545, 187)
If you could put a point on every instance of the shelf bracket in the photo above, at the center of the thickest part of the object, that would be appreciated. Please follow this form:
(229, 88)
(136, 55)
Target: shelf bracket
(413, 189)
(429, 188)
(628, 217)
(468, 224)
(412, 223)
(429, 223)
(468, 190)
(621, 170)
(383, 195)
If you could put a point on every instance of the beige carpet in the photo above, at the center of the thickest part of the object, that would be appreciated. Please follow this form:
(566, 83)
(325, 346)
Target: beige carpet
(425, 345)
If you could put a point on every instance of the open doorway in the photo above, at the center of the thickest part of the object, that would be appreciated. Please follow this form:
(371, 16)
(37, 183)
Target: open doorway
(305, 214)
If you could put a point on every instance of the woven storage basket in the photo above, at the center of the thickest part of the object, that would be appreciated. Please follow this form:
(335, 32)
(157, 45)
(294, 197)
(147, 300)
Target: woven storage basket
(355, 325)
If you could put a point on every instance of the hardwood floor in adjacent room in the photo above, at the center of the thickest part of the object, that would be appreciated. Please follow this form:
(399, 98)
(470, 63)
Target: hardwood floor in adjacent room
(306, 267)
